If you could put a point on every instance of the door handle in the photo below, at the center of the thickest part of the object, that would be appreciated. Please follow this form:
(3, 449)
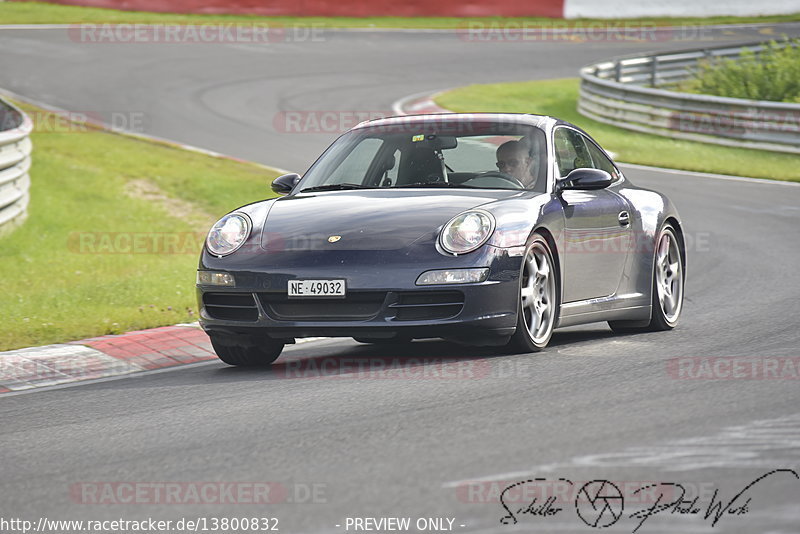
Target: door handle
(624, 218)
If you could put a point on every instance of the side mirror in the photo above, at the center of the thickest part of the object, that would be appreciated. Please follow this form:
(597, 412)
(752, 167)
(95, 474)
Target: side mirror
(585, 179)
(283, 185)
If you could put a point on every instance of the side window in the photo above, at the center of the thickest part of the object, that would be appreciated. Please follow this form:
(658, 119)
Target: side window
(353, 168)
(601, 161)
(571, 151)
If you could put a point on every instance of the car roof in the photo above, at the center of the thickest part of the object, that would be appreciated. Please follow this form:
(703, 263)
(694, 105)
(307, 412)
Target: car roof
(541, 121)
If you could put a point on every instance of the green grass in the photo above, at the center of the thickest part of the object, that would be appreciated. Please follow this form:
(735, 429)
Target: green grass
(559, 98)
(57, 287)
(44, 13)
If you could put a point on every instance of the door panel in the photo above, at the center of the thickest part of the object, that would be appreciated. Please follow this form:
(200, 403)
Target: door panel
(595, 245)
(595, 242)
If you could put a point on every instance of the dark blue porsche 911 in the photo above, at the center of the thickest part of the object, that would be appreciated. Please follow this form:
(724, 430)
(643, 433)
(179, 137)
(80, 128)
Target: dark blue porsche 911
(484, 229)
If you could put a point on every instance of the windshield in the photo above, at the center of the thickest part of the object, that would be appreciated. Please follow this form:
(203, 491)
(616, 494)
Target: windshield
(488, 156)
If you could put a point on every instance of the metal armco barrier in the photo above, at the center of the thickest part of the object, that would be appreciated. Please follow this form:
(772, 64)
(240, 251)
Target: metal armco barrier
(628, 92)
(15, 161)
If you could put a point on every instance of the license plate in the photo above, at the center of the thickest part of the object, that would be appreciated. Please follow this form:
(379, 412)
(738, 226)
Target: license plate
(316, 288)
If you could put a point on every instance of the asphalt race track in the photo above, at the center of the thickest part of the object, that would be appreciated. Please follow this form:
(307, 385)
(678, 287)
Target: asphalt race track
(593, 406)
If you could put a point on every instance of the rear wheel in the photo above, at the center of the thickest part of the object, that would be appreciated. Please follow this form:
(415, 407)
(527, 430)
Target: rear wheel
(248, 352)
(538, 298)
(667, 290)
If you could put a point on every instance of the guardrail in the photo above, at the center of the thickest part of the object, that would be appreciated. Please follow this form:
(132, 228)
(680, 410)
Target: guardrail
(626, 92)
(15, 162)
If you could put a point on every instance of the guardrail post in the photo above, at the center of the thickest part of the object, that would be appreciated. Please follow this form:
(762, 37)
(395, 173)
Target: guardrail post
(654, 72)
(617, 70)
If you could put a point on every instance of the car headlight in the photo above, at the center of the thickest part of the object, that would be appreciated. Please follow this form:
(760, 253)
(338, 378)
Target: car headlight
(467, 232)
(228, 234)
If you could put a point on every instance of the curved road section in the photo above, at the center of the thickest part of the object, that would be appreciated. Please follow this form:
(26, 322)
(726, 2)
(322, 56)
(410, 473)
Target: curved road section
(710, 406)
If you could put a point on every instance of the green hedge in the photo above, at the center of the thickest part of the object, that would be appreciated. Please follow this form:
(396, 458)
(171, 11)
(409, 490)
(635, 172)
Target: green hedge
(772, 74)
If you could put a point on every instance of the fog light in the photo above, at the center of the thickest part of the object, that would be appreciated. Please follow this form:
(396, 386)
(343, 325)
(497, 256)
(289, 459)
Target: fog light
(211, 278)
(453, 276)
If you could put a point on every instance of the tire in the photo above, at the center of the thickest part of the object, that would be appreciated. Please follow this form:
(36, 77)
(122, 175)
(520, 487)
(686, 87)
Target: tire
(537, 307)
(251, 355)
(669, 275)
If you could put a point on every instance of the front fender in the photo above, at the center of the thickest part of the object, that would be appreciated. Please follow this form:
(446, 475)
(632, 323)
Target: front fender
(517, 219)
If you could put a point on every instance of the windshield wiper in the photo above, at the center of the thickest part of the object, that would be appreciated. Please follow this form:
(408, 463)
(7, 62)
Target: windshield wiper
(335, 187)
(438, 184)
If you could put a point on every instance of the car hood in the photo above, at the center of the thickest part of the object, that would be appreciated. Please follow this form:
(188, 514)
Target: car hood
(366, 219)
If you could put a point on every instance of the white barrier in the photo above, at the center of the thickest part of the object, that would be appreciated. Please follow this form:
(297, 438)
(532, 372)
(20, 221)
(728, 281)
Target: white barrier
(608, 9)
(15, 162)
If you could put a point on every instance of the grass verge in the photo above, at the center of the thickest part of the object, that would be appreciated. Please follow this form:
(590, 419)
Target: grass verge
(44, 13)
(560, 97)
(113, 234)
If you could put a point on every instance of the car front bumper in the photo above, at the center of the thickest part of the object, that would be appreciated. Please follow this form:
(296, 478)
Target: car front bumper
(381, 302)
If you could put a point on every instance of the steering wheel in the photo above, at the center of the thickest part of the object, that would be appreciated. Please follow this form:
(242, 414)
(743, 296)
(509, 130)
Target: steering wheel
(501, 175)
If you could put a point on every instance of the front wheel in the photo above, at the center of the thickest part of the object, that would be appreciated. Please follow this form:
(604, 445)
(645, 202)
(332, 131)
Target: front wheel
(538, 298)
(247, 355)
(667, 290)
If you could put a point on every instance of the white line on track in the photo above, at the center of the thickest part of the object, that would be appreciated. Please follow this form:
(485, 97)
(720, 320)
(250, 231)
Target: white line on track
(740, 446)
(107, 379)
(398, 105)
(141, 373)
(711, 175)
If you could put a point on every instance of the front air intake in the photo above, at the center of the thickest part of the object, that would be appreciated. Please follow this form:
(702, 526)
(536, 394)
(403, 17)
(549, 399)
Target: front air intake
(427, 305)
(231, 306)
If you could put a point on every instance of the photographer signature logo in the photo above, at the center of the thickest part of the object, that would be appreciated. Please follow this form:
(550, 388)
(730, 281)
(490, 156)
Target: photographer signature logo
(600, 503)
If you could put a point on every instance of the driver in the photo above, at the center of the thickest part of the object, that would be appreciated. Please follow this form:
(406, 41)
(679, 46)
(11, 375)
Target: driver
(514, 158)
